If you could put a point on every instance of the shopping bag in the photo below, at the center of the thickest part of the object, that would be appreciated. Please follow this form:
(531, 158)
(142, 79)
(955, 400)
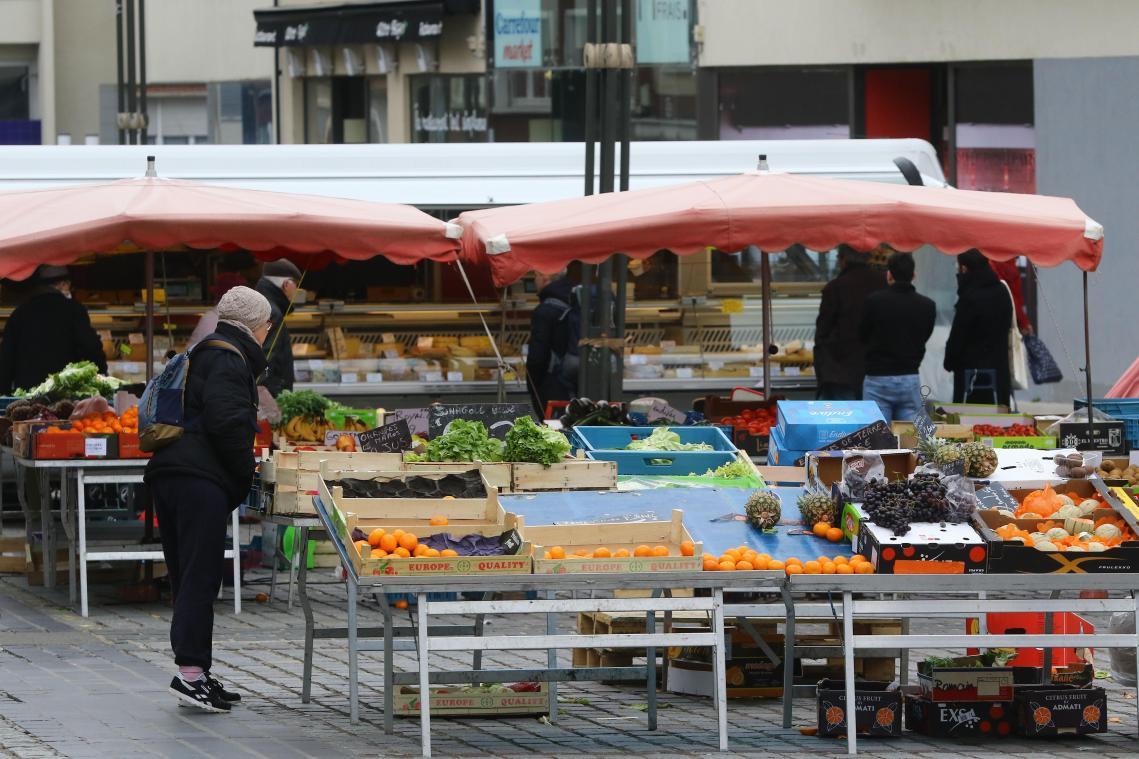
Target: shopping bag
(1017, 357)
(1040, 362)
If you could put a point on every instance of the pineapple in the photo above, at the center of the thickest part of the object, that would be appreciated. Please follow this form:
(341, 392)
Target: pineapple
(815, 508)
(980, 459)
(937, 451)
(947, 455)
(763, 509)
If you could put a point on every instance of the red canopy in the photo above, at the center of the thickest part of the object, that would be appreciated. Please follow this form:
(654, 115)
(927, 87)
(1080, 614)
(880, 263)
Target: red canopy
(58, 226)
(772, 212)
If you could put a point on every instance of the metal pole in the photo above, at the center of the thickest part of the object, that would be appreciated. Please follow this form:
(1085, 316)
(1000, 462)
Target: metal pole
(624, 95)
(142, 134)
(119, 64)
(1087, 348)
(132, 137)
(765, 271)
(585, 352)
(609, 82)
(149, 314)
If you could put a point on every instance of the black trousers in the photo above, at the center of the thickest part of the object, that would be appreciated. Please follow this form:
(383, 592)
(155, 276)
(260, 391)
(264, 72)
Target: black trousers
(192, 517)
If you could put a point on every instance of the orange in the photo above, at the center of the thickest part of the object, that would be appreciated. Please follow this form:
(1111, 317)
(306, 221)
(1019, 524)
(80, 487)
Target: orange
(642, 550)
(402, 552)
(432, 553)
(864, 568)
(765, 556)
(557, 552)
(841, 560)
(448, 552)
(408, 541)
(419, 550)
(744, 565)
(378, 553)
(794, 569)
(546, 555)
(438, 521)
(857, 557)
(362, 546)
(581, 553)
(375, 535)
(834, 534)
(776, 564)
(708, 556)
(397, 533)
(813, 568)
(401, 604)
(820, 529)
(733, 554)
(388, 542)
(687, 548)
(843, 569)
(602, 553)
(660, 550)
(792, 560)
(829, 568)
(623, 553)
(711, 565)
(727, 566)
(761, 563)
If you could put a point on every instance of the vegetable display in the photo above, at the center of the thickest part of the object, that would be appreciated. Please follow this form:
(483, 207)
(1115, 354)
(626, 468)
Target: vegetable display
(78, 380)
(463, 441)
(302, 403)
(733, 470)
(664, 439)
(582, 412)
(530, 442)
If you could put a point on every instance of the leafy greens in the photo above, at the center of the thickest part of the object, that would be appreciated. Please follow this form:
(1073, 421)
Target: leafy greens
(534, 443)
(463, 441)
(77, 380)
(664, 439)
(303, 403)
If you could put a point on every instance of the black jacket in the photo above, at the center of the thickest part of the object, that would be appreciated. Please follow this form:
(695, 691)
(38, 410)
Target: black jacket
(548, 338)
(278, 344)
(220, 417)
(43, 335)
(896, 324)
(978, 338)
(838, 349)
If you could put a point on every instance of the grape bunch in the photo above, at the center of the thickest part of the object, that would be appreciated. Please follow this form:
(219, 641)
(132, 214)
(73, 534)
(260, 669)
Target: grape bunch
(855, 483)
(897, 505)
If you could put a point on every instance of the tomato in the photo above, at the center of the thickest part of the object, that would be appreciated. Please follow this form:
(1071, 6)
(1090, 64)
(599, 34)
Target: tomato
(747, 413)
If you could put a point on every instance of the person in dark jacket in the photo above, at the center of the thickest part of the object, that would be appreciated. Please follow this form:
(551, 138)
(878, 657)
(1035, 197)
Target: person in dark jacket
(198, 479)
(838, 348)
(896, 324)
(548, 379)
(977, 351)
(279, 283)
(46, 333)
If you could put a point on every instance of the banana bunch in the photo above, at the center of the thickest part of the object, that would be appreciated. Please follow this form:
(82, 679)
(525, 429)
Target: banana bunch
(353, 425)
(306, 429)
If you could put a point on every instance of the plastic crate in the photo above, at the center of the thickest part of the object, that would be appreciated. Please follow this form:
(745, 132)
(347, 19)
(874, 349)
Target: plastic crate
(1125, 410)
(618, 438)
(670, 463)
(1032, 623)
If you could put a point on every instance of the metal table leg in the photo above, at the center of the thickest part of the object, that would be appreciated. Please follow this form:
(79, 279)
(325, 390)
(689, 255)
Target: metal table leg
(389, 664)
(81, 519)
(274, 557)
(788, 657)
(236, 564)
(718, 669)
(68, 519)
(46, 527)
(651, 670)
(848, 662)
(310, 626)
(297, 556)
(353, 675)
(424, 678)
(552, 661)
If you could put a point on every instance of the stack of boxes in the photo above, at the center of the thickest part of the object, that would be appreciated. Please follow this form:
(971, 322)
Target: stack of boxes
(810, 425)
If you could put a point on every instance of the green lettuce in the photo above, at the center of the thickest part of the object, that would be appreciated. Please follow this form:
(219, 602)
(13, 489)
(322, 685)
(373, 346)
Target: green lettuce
(535, 443)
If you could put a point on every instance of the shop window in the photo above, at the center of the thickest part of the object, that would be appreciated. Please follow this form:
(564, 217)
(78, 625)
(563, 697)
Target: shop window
(345, 109)
(14, 93)
(449, 108)
(996, 140)
(178, 120)
(664, 103)
(654, 278)
(795, 269)
(773, 104)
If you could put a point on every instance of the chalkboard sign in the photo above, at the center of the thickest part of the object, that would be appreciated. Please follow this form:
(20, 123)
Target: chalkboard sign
(1097, 436)
(876, 437)
(994, 496)
(390, 438)
(498, 417)
(416, 419)
(924, 427)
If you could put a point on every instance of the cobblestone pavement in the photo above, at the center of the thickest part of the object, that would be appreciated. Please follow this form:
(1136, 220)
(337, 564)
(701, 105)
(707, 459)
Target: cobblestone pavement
(97, 687)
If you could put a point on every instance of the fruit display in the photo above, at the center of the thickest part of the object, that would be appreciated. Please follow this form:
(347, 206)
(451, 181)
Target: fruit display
(456, 485)
(924, 498)
(687, 548)
(27, 409)
(824, 530)
(1112, 469)
(77, 380)
(379, 543)
(743, 559)
(305, 418)
(582, 412)
(755, 421)
(1070, 535)
(1048, 504)
(108, 422)
(1012, 430)
(1074, 466)
(980, 459)
(763, 509)
(815, 508)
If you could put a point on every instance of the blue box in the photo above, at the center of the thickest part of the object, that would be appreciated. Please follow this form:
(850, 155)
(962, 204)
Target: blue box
(618, 438)
(610, 443)
(810, 425)
(777, 455)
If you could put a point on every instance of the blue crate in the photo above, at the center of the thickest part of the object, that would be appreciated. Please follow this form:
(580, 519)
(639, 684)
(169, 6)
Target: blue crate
(618, 438)
(412, 599)
(671, 463)
(1125, 410)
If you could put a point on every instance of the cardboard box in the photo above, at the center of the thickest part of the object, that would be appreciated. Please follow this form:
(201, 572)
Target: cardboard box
(128, 447)
(966, 682)
(959, 719)
(1012, 557)
(1039, 442)
(807, 425)
(878, 710)
(907, 438)
(779, 455)
(928, 548)
(1048, 711)
(614, 536)
(747, 678)
(824, 468)
(783, 476)
(455, 701)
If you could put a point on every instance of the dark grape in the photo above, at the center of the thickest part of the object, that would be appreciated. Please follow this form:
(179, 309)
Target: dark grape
(897, 505)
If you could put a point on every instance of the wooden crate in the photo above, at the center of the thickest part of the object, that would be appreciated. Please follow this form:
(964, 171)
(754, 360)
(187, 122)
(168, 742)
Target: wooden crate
(519, 563)
(496, 473)
(290, 501)
(627, 535)
(14, 555)
(571, 474)
(620, 623)
(408, 510)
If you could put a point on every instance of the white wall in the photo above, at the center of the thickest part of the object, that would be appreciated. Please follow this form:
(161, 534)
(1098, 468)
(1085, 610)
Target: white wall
(204, 41)
(20, 21)
(780, 32)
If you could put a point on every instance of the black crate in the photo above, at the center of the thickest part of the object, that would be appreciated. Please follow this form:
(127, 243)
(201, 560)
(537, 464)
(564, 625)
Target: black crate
(959, 719)
(878, 711)
(1053, 710)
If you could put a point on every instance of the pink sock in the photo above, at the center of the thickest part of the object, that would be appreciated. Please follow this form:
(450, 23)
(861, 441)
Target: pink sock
(190, 674)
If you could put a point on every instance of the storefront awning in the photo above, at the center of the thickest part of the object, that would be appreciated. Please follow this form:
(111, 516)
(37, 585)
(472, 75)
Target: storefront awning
(355, 23)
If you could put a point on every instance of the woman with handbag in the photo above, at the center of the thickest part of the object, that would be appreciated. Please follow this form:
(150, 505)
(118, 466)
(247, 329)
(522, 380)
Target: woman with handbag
(978, 348)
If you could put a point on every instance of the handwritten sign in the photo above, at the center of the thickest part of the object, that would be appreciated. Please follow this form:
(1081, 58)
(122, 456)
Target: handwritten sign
(924, 427)
(994, 496)
(332, 436)
(876, 437)
(416, 419)
(95, 447)
(498, 417)
(662, 410)
(1097, 436)
(390, 438)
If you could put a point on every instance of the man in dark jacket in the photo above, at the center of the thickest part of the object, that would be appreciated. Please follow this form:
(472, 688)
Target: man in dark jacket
(896, 324)
(198, 479)
(549, 377)
(838, 349)
(46, 333)
(977, 351)
(279, 283)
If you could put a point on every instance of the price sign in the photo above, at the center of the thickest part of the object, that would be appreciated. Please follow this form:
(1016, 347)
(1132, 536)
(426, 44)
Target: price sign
(791, 371)
(994, 496)
(1097, 436)
(876, 437)
(924, 427)
(755, 371)
(637, 359)
(454, 376)
(350, 378)
(433, 376)
(498, 417)
(416, 419)
(662, 410)
(390, 438)
(374, 377)
(684, 372)
(95, 447)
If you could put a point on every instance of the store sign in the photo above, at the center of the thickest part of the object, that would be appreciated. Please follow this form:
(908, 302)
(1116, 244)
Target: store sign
(347, 25)
(467, 123)
(390, 438)
(1097, 436)
(517, 33)
(664, 31)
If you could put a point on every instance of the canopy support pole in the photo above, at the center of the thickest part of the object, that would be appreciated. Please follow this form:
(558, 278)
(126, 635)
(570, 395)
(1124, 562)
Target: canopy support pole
(1088, 349)
(149, 275)
(765, 277)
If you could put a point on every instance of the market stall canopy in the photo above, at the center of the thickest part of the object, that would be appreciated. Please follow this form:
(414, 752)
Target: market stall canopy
(773, 211)
(58, 226)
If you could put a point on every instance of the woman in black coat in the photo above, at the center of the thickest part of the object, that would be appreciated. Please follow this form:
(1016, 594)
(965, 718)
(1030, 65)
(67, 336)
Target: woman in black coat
(978, 339)
(201, 477)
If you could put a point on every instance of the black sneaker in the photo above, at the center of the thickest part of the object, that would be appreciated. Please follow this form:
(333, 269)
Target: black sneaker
(226, 695)
(198, 693)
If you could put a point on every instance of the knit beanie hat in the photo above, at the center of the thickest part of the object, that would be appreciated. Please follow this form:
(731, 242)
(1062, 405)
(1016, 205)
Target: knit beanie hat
(244, 308)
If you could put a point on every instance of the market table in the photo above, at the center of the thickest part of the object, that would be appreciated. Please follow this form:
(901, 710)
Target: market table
(460, 638)
(968, 596)
(74, 473)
